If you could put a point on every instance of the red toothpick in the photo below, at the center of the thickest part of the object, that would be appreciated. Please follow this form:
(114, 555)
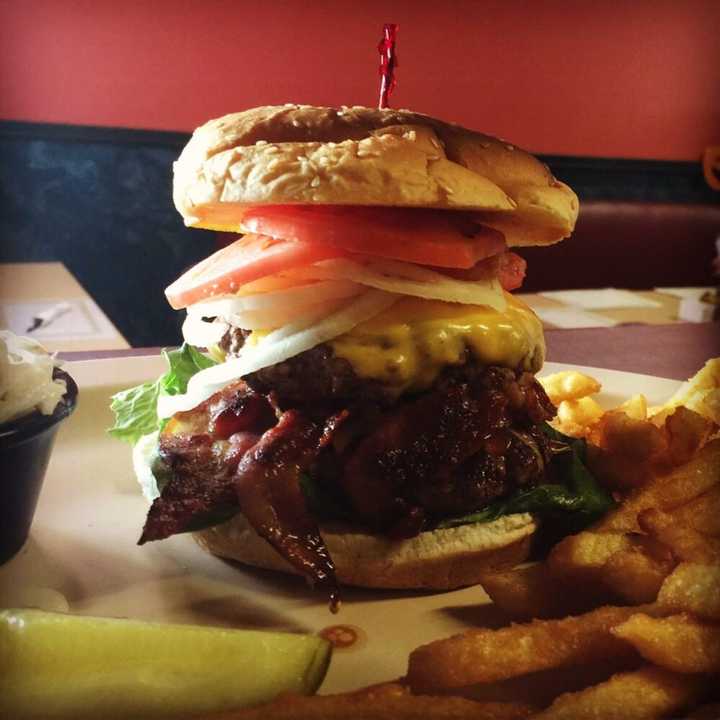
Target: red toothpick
(388, 63)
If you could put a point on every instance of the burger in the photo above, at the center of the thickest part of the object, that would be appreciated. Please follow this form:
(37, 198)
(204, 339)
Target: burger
(366, 411)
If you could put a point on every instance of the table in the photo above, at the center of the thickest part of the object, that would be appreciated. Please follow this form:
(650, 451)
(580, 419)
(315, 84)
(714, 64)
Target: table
(29, 288)
(673, 351)
(83, 552)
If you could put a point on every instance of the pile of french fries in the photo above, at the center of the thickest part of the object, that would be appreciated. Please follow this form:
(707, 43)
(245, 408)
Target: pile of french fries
(621, 621)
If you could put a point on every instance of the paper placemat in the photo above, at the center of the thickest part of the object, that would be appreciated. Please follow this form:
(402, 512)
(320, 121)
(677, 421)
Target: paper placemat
(573, 318)
(83, 320)
(600, 299)
(694, 293)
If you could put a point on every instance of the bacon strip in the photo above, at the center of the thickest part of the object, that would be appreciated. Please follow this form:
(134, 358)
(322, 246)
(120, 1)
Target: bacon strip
(267, 482)
(224, 460)
(201, 485)
(201, 449)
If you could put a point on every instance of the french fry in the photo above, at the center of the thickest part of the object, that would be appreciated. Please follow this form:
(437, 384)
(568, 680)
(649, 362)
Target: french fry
(541, 688)
(636, 440)
(693, 588)
(646, 694)
(636, 575)
(531, 592)
(484, 656)
(679, 642)
(581, 557)
(609, 565)
(627, 451)
(702, 513)
(679, 486)
(380, 702)
(617, 472)
(575, 417)
(686, 543)
(569, 385)
(635, 407)
(701, 392)
(687, 432)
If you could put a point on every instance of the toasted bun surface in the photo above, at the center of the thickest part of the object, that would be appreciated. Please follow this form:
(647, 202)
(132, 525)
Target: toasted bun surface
(438, 560)
(362, 156)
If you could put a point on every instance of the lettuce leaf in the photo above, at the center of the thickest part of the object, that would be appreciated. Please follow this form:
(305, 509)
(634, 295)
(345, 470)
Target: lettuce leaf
(136, 408)
(575, 502)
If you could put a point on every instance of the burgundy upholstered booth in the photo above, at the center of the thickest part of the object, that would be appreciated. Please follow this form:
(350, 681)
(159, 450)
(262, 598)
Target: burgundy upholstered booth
(630, 245)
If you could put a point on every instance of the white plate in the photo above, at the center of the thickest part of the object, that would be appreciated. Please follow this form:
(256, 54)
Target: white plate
(82, 553)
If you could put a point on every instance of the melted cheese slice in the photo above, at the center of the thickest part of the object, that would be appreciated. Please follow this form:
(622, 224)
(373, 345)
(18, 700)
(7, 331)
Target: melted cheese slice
(406, 346)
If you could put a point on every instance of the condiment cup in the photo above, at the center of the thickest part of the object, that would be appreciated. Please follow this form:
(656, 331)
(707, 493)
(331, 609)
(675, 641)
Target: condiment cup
(25, 447)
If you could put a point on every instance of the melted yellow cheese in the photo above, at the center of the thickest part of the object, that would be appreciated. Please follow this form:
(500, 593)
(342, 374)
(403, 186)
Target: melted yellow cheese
(407, 346)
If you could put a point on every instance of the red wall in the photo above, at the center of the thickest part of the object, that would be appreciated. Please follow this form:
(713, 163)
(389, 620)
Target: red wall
(639, 78)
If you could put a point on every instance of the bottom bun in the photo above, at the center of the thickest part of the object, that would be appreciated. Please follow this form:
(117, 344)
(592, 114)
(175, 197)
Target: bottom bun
(436, 560)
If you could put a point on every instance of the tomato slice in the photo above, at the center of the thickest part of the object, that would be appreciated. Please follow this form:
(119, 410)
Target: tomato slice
(443, 238)
(248, 258)
(508, 267)
(512, 270)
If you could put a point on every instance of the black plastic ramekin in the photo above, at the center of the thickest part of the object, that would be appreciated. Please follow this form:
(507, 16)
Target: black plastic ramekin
(25, 447)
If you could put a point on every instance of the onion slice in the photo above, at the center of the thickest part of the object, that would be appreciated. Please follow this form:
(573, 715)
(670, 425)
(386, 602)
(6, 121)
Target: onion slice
(407, 279)
(275, 317)
(273, 349)
(200, 333)
(305, 294)
(268, 310)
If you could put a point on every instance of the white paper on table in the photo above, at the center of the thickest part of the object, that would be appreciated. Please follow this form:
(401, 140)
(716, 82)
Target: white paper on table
(83, 321)
(573, 318)
(600, 299)
(695, 310)
(693, 293)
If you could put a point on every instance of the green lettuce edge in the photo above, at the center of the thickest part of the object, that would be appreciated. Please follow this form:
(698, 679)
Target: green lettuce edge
(135, 408)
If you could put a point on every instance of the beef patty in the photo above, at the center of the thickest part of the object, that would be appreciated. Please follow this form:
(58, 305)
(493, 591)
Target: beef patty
(474, 437)
(314, 379)
(402, 464)
(395, 465)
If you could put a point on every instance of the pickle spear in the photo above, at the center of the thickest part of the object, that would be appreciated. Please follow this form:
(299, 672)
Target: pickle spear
(54, 665)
